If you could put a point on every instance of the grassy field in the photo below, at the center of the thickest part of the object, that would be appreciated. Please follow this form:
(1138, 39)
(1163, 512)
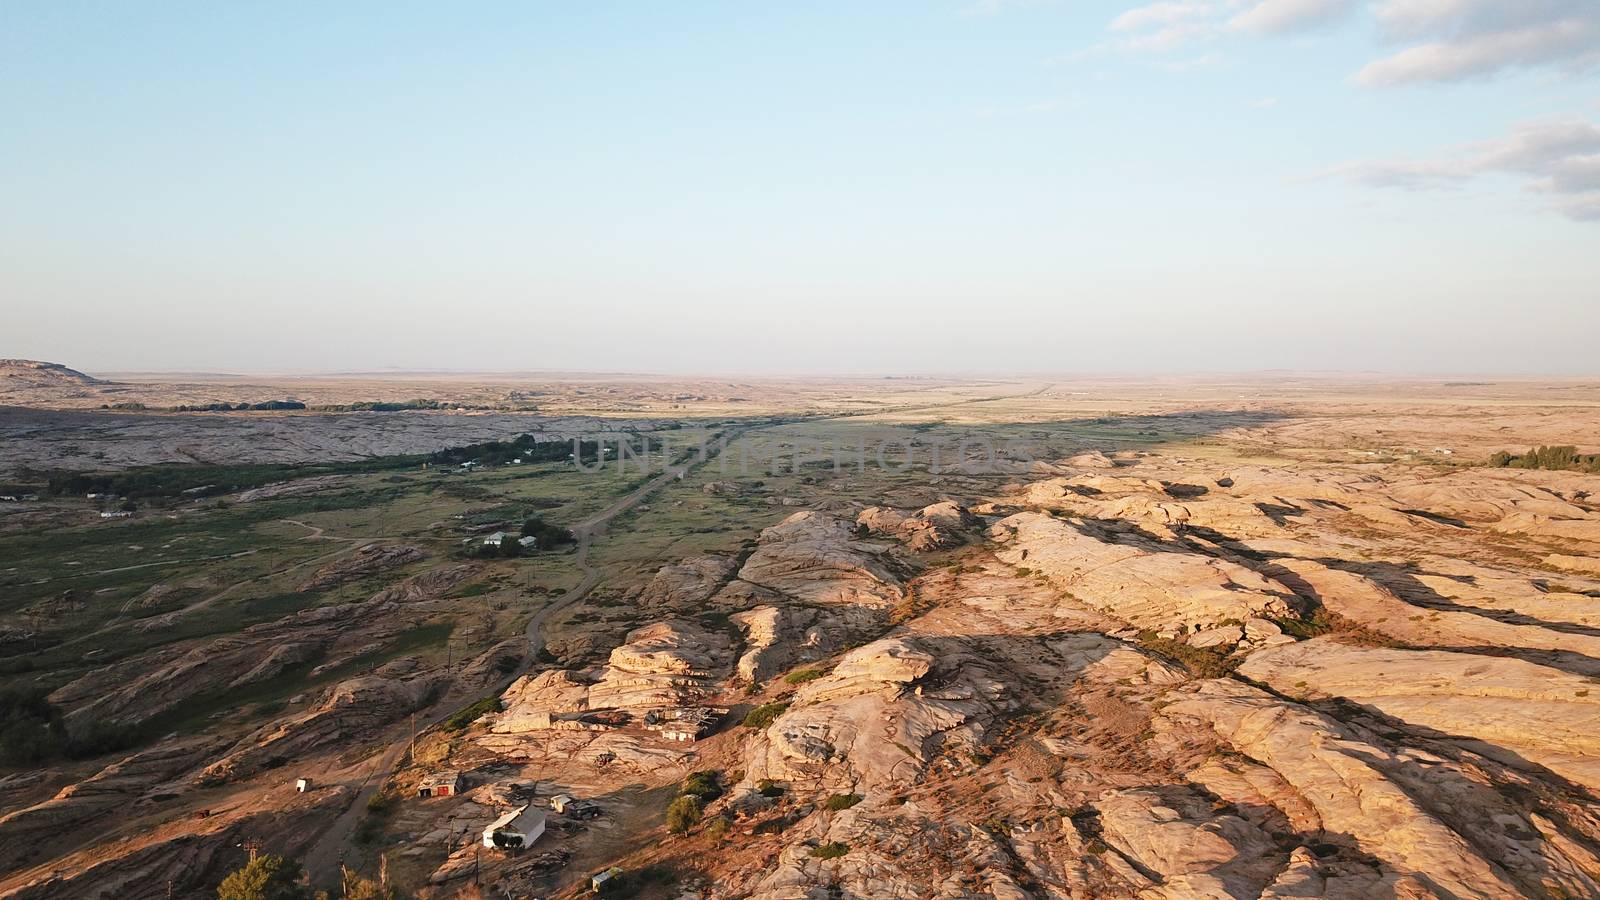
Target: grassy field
(82, 588)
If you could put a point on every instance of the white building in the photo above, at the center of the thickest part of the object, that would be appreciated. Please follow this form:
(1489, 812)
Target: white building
(302, 785)
(518, 829)
(528, 543)
(496, 539)
(440, 784)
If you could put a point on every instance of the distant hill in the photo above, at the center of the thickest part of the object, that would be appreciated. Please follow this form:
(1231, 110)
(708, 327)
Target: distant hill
(25, 373)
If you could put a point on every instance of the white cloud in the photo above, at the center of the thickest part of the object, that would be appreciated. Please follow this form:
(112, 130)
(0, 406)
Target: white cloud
(1170, 25)
(1429, 40)
(1264, 103)
(1162, 15)
(1457, 39)
(1284, 16)
(1559, 160)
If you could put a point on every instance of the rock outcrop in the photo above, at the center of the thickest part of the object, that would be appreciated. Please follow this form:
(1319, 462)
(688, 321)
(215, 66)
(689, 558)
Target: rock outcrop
(1150, 587)
(815, 558)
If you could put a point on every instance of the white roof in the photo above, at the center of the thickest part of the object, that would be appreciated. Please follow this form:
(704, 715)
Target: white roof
(521, 820)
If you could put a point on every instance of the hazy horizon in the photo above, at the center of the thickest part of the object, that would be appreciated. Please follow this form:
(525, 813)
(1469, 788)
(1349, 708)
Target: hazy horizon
(964, 188)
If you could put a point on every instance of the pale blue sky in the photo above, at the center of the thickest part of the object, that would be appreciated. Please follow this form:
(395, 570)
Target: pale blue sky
(1402, 185)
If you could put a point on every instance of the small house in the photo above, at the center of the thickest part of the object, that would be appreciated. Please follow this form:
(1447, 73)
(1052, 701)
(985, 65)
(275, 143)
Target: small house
(440, 784)
(301, 785)
(528, 543)
(496, 539)
(516, 830)
(560, 802)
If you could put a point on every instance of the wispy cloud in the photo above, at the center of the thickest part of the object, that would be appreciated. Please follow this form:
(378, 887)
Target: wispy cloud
(1456, 39)
(1286, 16)
(1264, 103)
(1558, 160)
(1427, 40)
(1168, 26)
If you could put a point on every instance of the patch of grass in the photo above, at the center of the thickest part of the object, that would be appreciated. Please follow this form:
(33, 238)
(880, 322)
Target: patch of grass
(841, 802)
(803, 676)
(463, 719)
(1305, 629)
(1202, 662)
(830, 850)
(764, 715)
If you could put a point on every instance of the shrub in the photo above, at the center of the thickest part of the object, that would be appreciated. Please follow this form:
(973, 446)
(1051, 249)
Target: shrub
(766, 787)
(354, 887)
(839, 802)
(683, 813)
(717, 828)
(764, 715)
(703, 786)
(803, 676)
(830, 850)
(1202, 662)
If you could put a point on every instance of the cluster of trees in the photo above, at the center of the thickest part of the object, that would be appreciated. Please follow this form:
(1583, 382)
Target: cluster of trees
(32, 731)
(387, 406)
(273, 877)
(548, 535)
(525, 447)
(241, 407)
(1559, 458)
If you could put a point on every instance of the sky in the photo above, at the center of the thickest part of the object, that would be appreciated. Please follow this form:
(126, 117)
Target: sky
(972, 186)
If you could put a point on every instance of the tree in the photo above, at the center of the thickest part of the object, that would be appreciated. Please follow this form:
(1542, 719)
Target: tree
(31, 728)
(683, 813)
(267, 877)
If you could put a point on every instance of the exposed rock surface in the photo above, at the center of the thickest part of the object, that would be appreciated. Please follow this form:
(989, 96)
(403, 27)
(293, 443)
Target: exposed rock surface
(813, 557)
(1543, 714)
(1146, 586)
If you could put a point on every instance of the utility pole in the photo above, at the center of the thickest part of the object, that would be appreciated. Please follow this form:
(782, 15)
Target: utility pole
(252, 846)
